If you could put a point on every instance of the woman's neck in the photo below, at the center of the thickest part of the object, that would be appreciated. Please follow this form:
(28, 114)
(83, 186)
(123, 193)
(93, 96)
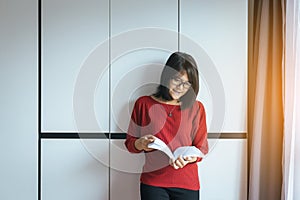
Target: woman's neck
(170, 102)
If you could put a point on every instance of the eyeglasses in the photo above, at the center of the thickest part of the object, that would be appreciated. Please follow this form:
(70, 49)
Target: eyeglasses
(178, 82)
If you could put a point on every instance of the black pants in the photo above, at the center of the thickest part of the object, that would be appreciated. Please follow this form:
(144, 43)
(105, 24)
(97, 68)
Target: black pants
(149, 192)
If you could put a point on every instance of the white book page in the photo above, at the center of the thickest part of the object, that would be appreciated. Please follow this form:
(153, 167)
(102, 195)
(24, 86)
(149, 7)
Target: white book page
(160, 145)
(183, 151)
(188, 151)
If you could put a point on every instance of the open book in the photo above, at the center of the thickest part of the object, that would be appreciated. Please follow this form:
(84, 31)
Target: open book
(183, 151)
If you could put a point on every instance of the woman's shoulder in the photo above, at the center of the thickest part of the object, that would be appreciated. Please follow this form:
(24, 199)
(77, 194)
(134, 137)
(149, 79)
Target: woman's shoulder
(199, 105)
(143, 99)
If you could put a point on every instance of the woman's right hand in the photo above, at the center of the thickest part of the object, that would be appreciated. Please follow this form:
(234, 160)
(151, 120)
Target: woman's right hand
(142, 142)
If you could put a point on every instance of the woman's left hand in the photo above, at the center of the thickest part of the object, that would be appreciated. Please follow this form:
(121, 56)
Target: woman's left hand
(180, 162)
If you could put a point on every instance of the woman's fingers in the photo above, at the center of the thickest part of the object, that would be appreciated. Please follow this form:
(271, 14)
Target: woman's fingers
(179, 163)
(190, 159)
(173, 164)
(143, 142)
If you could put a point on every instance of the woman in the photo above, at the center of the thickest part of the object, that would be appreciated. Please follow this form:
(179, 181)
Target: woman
(173, 115)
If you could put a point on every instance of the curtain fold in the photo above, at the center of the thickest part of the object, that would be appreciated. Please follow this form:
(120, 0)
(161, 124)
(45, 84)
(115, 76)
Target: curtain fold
(265, 105)
(291, 74)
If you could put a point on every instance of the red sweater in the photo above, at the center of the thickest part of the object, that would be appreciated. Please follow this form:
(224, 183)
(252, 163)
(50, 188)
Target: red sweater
(185, 127)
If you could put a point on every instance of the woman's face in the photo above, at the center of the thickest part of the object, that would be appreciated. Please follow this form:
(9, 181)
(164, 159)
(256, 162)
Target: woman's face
(179, 85)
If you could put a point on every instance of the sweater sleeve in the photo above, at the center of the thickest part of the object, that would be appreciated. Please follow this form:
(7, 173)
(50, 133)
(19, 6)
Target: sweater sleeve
(200, 130)
(133, 132)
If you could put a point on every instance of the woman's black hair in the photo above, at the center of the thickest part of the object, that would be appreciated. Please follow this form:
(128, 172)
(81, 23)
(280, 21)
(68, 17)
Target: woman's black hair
(179, 62)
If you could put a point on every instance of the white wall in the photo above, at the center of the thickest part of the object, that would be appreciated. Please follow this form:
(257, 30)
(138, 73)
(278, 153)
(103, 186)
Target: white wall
(18, 99)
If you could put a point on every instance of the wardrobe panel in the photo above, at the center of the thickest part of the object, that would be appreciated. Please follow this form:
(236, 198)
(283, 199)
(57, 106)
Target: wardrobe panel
(144, 34)
(74, 65)
(125, 171)
(223, 172)
(19, 98)
(215, 33)
(75, 169)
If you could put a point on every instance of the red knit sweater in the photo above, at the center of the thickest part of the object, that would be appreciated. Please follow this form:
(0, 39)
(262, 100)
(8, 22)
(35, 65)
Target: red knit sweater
(185, 127)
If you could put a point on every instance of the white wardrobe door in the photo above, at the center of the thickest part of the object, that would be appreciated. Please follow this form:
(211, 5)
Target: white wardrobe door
(223, 173)
(144, 34)
(75, 169)
(215, 33)
(74, 56)
(18, 101)
(125, 172)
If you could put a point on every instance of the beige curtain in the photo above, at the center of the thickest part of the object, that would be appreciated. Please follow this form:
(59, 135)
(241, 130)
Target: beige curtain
(265, 105)
(291, 72)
